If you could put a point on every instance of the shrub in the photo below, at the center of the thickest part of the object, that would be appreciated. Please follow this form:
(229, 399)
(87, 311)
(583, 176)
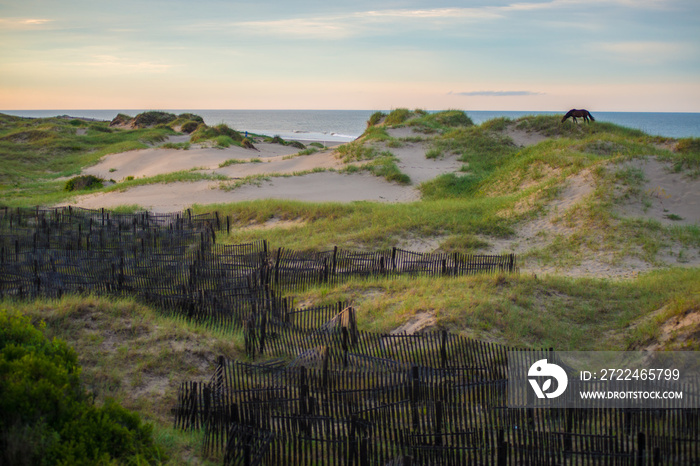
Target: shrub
(191, 117)
(101, 128)
(385, 167)
(398, 116)
(433, 153)
(223, 141)
(205, 132)
(146, 119)
(453, 118)
(688, 145)
(46, 413)
(83, 182)
(224, 129)
(120, 119)
(375, 118)
(189, 126)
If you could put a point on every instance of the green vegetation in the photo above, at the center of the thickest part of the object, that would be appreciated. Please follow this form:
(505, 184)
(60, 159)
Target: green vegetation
(470, 144)
(375, 118)
(524, 311)
(397, 117)
(502, 186)
(36, 152)
(173, 177)
(363, 225)
(176, 145)
(205, 132)
(48, 417)
(83, 182)
(385, 167)
(159, 119)
(279, 140)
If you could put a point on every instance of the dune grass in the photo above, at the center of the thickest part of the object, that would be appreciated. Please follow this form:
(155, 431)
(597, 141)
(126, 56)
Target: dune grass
(362, 225)
(133, 353)
(583, 314)
(38, 151)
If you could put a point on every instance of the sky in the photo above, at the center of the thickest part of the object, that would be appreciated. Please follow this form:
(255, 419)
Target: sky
(548, 55)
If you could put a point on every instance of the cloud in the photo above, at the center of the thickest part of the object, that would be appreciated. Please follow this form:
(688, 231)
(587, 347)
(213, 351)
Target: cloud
(434, 13)
(22, 23)
(646, 52)
(116, 64)
(330, 28)
(351, 24)
(496, 93)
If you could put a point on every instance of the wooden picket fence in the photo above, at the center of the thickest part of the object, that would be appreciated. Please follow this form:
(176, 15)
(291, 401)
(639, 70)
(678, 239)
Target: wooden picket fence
(416, 416)
(318, 390)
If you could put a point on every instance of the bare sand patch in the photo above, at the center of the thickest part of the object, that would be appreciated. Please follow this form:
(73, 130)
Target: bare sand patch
(414, 163)
(524, 138)
(668, 197)
(151, 162)
(272, 160)
(281, 164)
(420, 243)
(539, 232)
(313, 187)
(680, 196)
(403, 132)
(274, 222)
(416, 323)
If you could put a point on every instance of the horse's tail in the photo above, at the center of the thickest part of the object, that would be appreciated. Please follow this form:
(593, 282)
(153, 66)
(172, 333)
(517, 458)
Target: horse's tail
(590, 116)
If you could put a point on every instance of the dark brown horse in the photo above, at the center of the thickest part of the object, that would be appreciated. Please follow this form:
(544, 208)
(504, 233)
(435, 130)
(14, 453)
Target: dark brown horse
(573, 113)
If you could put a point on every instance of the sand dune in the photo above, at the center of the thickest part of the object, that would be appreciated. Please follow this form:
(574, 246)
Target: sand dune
(275, 161)
(670, 198)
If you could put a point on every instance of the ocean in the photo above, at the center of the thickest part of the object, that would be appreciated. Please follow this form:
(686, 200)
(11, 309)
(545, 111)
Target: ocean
(346, 125)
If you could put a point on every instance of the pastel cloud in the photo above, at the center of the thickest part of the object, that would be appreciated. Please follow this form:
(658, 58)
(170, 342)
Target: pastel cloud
(647, 52)
(22, 23)
(497, 93)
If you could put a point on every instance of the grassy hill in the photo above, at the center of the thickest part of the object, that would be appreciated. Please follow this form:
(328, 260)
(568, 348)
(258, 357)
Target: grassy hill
(553, 193)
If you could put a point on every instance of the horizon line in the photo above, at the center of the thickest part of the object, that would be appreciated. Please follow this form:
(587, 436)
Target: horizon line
(150, 109)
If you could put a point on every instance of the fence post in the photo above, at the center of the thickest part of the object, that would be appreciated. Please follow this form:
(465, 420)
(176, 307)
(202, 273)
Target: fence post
(443, 350)
(641, 446)
(502, 450)
(263, 328)
(344, 343)
(335, 253)
(414, 396)
(438, 423)
(246, 453)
